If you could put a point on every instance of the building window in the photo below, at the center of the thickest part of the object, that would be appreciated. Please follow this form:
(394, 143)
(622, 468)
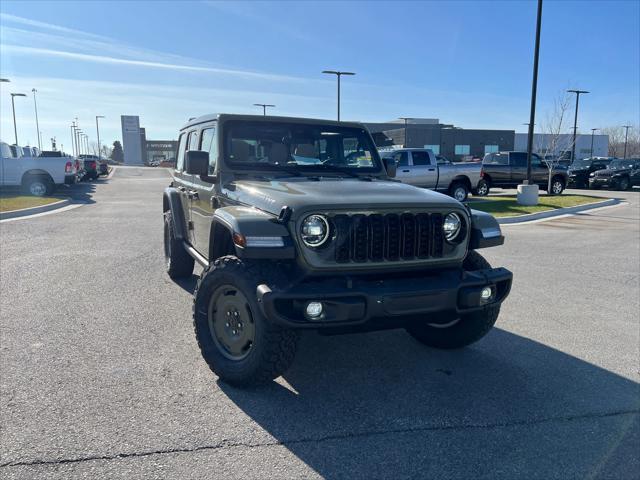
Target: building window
(462, 149)
(434, 148)
(491, 149)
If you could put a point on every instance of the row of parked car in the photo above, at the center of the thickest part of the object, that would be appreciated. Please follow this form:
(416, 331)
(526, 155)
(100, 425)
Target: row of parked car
(422, 168)
(38, 173)
(610, 172)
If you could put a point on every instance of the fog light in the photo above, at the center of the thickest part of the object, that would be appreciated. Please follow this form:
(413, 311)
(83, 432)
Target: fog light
(314, 310)
(486, 293)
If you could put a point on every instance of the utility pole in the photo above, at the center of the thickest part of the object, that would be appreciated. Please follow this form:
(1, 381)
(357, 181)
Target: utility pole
(264, 107)
(73, 144)
(37, 125)
(626, 136)
(338, 74)
(575, 122)
(593, 130)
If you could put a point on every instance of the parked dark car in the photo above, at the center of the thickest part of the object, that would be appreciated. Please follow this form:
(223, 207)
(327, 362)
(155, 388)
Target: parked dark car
(509, 169)
(298, 225)
(90, 163)
(103, 168)
(620, 174)
(580, 170)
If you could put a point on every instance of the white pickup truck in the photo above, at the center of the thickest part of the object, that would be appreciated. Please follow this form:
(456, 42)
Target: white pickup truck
(36, 175)
(420, 167)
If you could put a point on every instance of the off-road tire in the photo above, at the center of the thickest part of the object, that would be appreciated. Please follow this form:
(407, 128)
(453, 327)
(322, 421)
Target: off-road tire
(273, 348)
(46, 185)
(469, 328)
(178, 263)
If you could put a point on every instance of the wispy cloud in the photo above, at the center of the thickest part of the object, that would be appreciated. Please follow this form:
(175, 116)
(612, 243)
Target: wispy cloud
(143, 63)
(50, 40)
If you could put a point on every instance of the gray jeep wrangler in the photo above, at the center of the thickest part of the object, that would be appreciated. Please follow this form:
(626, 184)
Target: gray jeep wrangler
(299, 225)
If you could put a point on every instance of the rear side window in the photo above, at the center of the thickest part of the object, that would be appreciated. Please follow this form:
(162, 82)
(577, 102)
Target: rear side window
(210, 144)
(518, 159)
(420, 158)
(181, 148)
(496, 159)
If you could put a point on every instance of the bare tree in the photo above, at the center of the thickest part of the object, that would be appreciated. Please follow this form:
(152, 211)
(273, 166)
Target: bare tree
(555, 138)
(616, 141)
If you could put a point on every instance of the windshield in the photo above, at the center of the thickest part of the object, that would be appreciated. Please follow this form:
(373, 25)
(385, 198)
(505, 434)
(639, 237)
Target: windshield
(620, 164)
(297, 148)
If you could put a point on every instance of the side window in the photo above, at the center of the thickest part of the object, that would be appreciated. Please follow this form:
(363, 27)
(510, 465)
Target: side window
(209, 144)
(181, 148)
(402, 159)
(420, 158)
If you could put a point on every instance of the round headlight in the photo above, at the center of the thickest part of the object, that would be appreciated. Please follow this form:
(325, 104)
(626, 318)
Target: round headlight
(451, 226)
(315, 230)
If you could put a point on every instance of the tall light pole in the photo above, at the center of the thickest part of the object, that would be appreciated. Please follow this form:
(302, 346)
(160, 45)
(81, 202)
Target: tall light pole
(338, 74)
(73, 144)
(13, 107)
(626, 136)
(593, 130)
(406, 121)
(35, 105)
(85, 137)
(534, 89)
(98, 135)
(79, 141)
(264, 107)
(575, 122)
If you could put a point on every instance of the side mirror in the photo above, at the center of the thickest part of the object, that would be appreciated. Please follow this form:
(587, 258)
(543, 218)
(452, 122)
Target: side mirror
(391, 166)
(196, 162)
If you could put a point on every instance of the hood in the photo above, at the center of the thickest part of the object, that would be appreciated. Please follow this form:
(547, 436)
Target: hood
(302, 194)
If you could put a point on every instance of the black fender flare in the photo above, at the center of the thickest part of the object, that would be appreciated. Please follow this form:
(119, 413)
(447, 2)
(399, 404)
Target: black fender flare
(485, 231)
(172, 202)
(241, 223)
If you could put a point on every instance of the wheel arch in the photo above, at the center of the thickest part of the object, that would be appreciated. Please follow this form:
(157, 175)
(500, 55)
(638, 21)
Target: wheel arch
(461, 179)
(36, 172)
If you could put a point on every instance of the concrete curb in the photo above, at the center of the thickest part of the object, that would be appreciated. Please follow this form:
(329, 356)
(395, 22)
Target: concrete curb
(556, 213)
(25, 212)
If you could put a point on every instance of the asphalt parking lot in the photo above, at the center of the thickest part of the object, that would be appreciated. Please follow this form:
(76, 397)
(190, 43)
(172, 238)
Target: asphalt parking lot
(101, 376)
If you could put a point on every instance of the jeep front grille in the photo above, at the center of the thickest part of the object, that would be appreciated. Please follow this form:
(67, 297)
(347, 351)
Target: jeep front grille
(391, 237)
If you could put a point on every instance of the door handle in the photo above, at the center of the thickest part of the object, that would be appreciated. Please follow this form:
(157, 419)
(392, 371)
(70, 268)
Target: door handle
(406, 171)
(431, 169)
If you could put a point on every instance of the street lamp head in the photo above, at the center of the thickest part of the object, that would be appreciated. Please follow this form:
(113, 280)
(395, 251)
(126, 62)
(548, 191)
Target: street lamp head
(337, 72)
(3, 80)
(100, 116)
(578, 91)
(34, 90)
(18, 95)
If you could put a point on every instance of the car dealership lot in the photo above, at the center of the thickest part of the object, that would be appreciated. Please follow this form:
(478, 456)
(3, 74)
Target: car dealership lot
(102, 377)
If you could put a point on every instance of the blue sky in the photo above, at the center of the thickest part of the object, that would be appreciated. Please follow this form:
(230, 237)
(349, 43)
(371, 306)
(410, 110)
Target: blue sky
(467, 63)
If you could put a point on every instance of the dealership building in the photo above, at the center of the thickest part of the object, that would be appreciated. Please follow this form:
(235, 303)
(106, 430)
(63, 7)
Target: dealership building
(454, 143)
(458, 144)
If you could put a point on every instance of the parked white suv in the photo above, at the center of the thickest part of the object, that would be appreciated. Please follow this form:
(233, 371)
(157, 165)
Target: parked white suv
(36, 175)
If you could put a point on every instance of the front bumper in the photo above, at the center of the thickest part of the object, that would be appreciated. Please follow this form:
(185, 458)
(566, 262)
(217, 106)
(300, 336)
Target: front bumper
(384, 303)
(578, 179)
(602, 181)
